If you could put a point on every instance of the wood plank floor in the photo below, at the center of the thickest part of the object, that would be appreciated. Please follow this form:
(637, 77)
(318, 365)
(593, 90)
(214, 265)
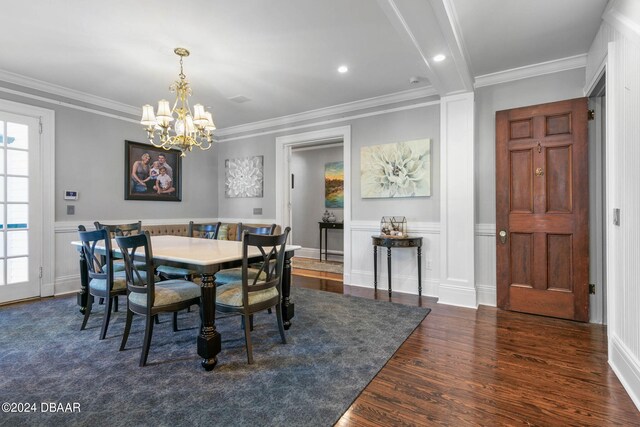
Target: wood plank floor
(488, 367)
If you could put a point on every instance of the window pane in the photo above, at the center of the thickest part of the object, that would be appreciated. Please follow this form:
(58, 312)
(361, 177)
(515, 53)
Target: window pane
(17, 135)
(1, 160)
(17, 216)
(2, 247)
(17, 162)
(17, 243)
(17, 189)
(1, 188)
(1, 216)
(17, 270)
(1, 134)
(1, 272)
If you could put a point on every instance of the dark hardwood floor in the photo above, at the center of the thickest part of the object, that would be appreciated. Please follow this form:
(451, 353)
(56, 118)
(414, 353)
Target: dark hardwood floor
(465, 367)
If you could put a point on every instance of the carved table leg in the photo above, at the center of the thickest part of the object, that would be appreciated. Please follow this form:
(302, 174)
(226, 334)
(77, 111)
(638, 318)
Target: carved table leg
(209, 341)
(375, 269)
(389, 268)
(419, 271)
(287, 305)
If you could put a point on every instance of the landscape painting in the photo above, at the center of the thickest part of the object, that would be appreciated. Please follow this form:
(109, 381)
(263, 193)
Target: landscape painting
(334, 185)
(401, 169)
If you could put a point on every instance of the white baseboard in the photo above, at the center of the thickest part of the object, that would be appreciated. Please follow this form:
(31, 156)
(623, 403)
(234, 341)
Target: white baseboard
(627, 368)
(400, 283)
(67, 284)
(461, 296)
(486, 295)
(47, 289)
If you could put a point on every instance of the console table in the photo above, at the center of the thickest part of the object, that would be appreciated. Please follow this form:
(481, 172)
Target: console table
(395, 242)
(326, 226)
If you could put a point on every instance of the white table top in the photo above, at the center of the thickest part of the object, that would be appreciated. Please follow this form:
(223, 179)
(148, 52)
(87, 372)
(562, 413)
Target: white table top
(195, 251)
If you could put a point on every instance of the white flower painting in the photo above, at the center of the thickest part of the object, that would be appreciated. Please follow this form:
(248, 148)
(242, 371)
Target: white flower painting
(396, 170)
(244, 177)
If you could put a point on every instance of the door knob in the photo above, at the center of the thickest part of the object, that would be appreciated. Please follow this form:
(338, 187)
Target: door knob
(503, 236)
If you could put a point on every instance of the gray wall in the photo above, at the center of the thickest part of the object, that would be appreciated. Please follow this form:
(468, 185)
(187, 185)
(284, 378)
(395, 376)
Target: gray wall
(520, 93)
(421, 122)
(308, 197)
(89, 158)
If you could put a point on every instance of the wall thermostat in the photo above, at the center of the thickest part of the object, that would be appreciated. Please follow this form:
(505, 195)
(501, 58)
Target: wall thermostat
(71, 195)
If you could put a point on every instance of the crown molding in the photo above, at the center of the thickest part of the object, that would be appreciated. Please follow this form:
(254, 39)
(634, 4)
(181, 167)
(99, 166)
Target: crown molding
(549, 67)
(621, 22)
(407, 95)
(28, 82)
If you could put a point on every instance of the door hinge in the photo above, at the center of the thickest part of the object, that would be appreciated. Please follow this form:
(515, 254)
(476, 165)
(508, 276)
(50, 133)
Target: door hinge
(41, 272)
(592, 289)
(40, 127)
(591, 114)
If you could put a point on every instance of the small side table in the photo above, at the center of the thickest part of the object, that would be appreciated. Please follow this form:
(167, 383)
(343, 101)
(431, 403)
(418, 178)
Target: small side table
(395, 242)
(326, 226)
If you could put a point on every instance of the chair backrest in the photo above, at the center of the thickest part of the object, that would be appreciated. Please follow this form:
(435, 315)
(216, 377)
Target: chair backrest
(205, 231)
(99, 262)
(268, 230)
(138, 280)
(271, 248)
(125, 229)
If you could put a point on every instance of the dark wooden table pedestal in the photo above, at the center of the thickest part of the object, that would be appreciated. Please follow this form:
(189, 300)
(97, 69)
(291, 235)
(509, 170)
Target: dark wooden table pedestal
(395, 242)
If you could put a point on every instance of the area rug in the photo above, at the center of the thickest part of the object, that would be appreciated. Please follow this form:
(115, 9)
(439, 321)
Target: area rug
(315, 265)
(335, 346)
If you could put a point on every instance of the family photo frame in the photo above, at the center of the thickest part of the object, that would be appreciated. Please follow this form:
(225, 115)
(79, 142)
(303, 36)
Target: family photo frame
(151, 173)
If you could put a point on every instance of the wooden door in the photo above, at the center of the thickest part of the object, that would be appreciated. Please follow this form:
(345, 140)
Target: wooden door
(542, 218)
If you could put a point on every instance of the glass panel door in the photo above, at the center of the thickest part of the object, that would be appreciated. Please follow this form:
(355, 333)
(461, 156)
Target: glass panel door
(20, 211)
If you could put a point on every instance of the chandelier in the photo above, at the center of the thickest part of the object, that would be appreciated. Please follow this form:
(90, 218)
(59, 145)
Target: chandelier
(187, 130)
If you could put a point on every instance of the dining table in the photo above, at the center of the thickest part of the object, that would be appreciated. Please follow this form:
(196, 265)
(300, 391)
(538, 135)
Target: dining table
(204, 256)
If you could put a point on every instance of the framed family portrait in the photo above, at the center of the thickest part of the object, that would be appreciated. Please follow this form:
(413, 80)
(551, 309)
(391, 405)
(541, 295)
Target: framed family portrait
(151, 173)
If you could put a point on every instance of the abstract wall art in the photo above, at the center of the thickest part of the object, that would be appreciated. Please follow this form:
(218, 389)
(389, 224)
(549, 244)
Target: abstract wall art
(244, 177)
(400, 169)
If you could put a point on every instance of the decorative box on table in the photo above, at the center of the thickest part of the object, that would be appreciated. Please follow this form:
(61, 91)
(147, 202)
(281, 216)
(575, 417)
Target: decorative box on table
(393, 226)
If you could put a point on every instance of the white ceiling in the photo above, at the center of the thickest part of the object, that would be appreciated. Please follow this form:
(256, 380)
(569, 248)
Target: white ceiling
(283, 54)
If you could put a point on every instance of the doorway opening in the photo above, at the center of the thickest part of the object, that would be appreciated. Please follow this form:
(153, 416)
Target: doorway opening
(597, 203)
(301, 160)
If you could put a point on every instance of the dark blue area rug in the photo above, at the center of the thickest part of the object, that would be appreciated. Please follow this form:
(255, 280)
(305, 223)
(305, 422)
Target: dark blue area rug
(336, 345)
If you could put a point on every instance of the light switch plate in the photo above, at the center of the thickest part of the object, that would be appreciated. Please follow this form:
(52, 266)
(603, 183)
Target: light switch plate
(616, 216)
(257, 211)
(71, 210)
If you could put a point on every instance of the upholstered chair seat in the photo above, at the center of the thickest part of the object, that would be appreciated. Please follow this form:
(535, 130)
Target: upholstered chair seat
(230, 275)
(168, 292)
(231, 294)
(169, 272)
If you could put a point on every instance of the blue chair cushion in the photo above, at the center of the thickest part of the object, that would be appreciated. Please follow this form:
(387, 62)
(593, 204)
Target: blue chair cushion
(231, 294)
(168, 292)
(119, 282)
(235, 275)
(174, 272)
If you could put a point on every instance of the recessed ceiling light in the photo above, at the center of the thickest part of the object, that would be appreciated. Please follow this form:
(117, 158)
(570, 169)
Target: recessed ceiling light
(439, 58)
(343, 69)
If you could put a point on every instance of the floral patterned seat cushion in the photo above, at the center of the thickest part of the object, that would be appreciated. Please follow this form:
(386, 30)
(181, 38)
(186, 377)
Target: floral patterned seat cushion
(231, 295)
(168, 292)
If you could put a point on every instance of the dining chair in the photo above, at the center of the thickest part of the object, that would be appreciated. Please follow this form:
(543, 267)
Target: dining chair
(104, 282)
(251, 295)
(233, 272)
(205, 231)
(126, 230)
(148, 298)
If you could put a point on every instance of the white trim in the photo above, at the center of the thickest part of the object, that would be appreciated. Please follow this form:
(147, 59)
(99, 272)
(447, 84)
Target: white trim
(283, 146)
(317, 147)
(456, 43)
(589, 87)
(364, 279)
(459, 296)
(626, 368)
(67, 284)
(66, 92)
(533, 70)
(333, 121)
(621, 22)
(485, 230)
(486, 295)
(392, 98)
(47, 160)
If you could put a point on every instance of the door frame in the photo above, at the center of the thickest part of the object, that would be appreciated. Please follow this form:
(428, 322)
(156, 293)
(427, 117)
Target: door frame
(46, 118)
(283, 179)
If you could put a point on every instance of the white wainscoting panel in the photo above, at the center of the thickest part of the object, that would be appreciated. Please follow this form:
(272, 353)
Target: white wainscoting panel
(404, 266)
(485, 242)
